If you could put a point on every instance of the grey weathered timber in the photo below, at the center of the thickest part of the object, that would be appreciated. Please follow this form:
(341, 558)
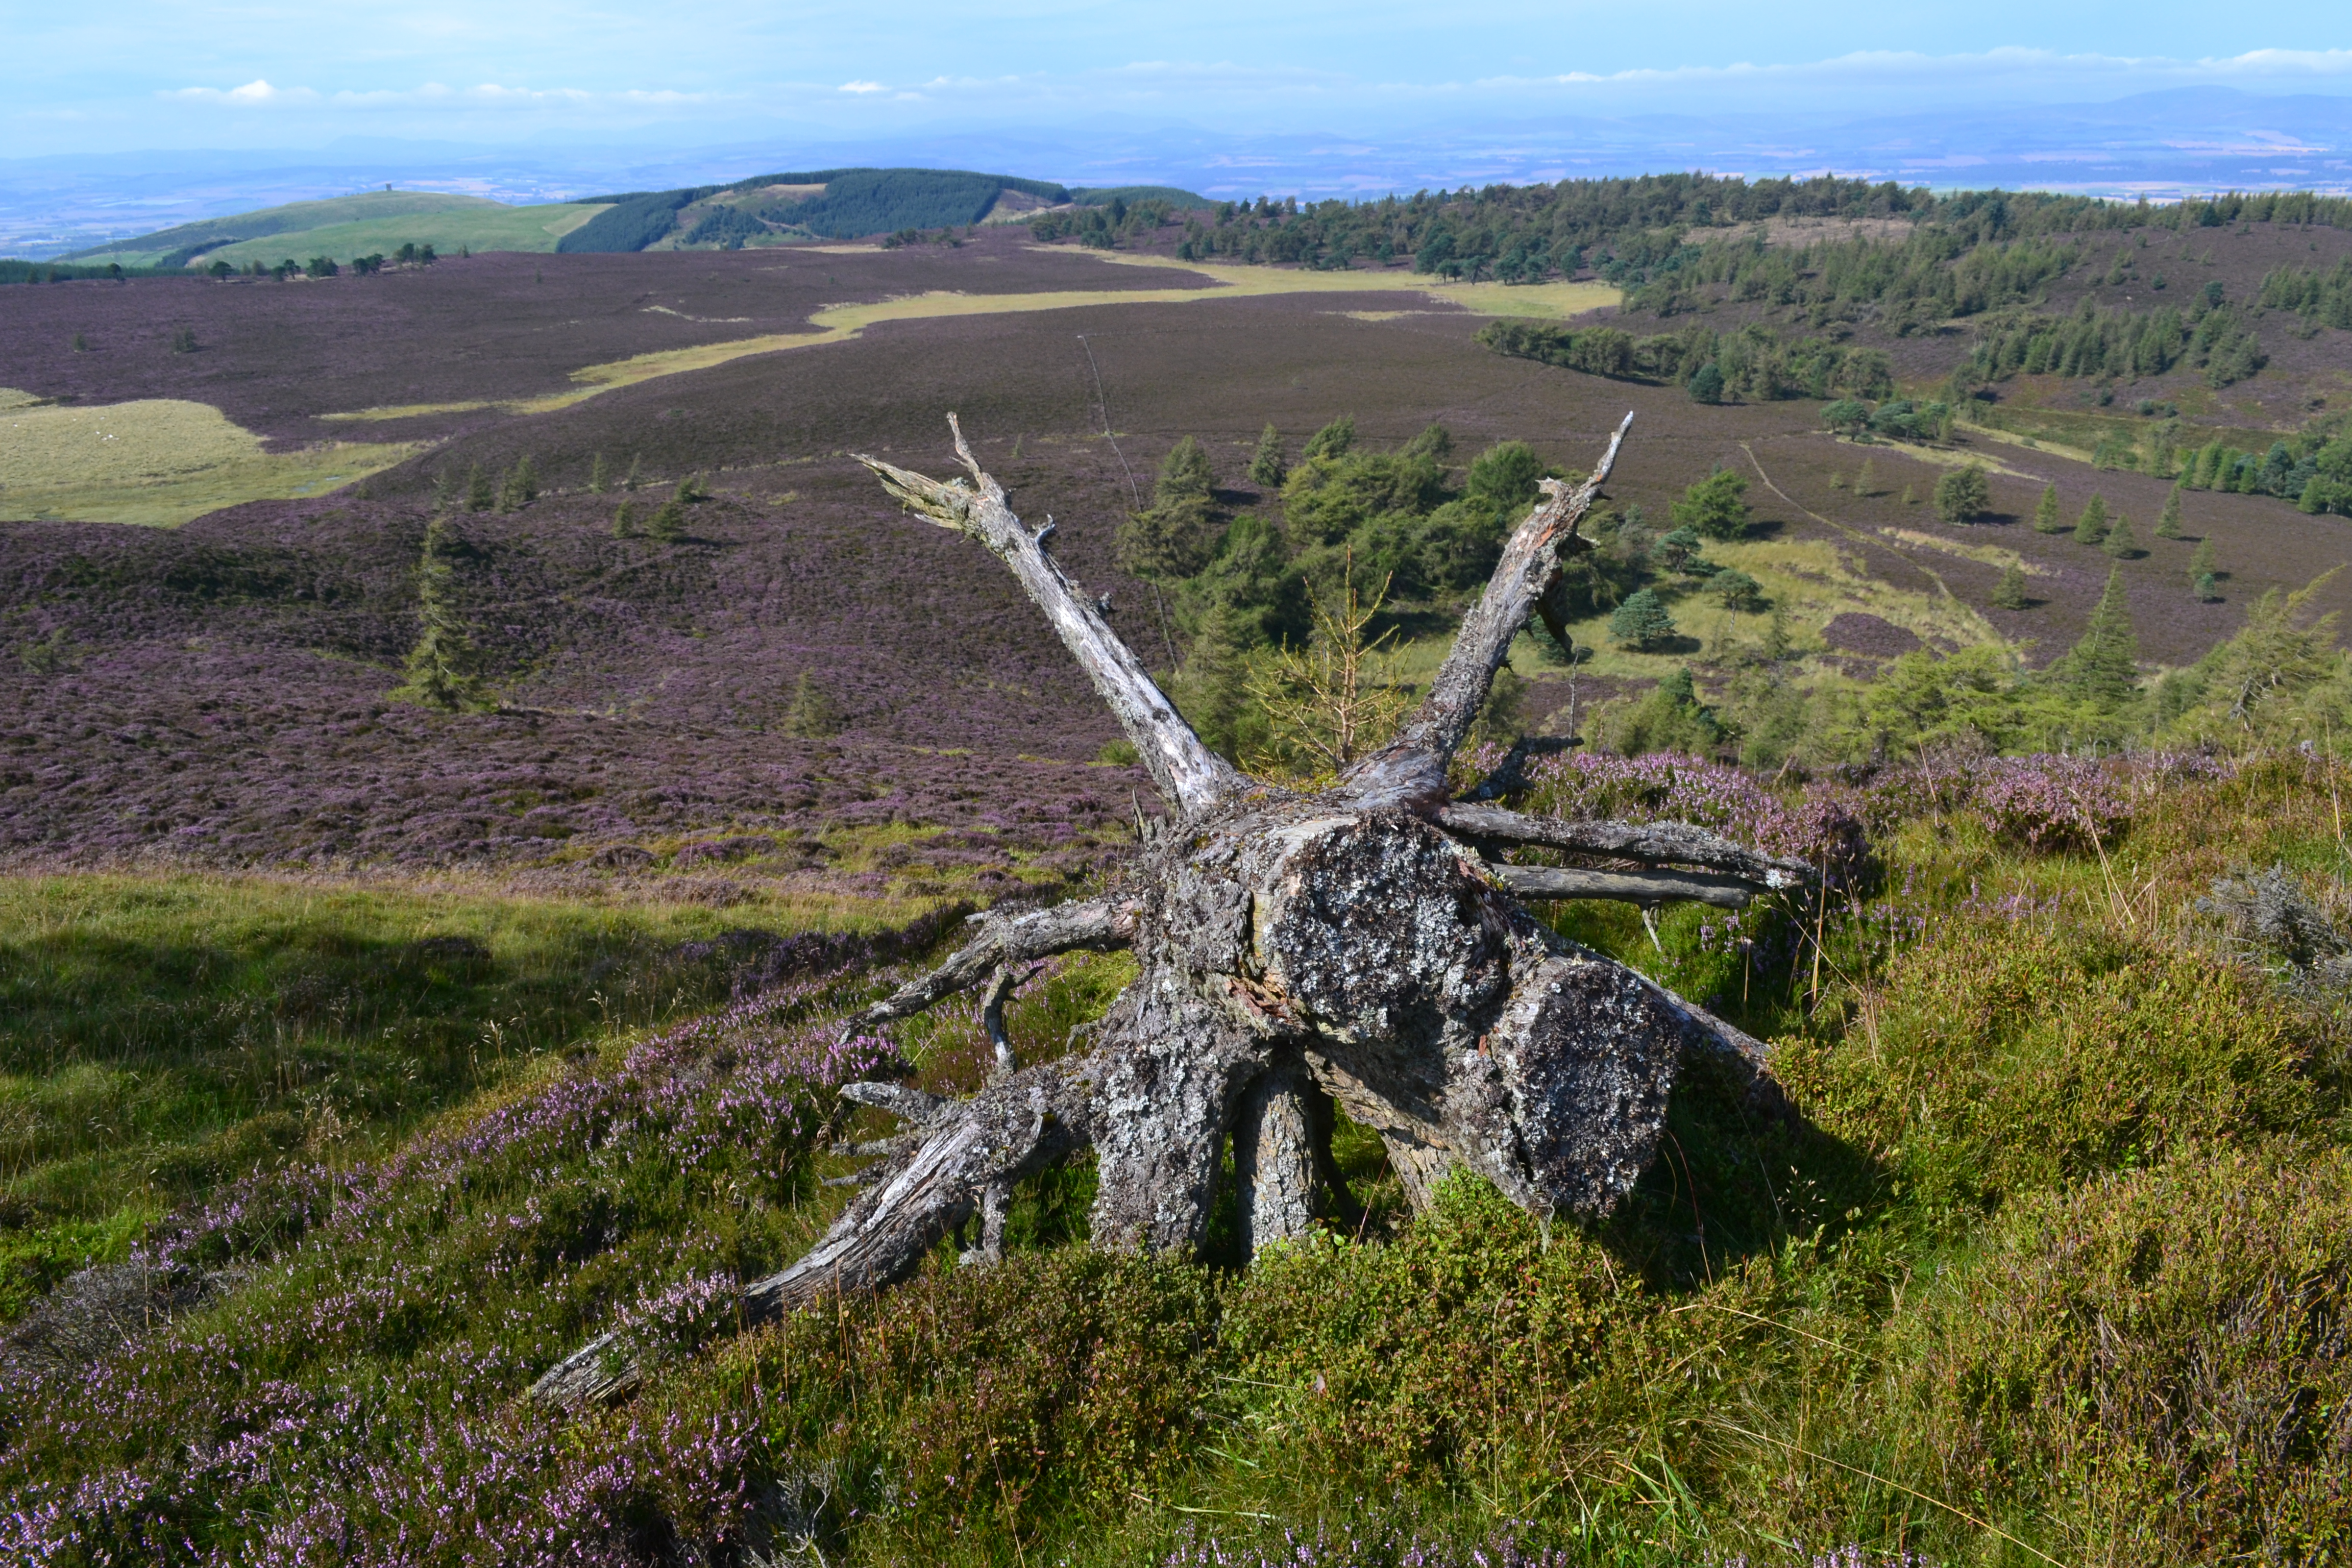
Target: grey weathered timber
(1651, 843)
(1186, 773)
(1293, 952)
(1625, 887)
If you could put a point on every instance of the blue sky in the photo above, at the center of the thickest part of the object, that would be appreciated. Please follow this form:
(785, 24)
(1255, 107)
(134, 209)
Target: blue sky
(138, 74)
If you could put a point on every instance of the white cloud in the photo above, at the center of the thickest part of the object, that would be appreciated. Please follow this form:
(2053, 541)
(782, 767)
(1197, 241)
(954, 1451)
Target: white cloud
(861, 86)
(251, 94)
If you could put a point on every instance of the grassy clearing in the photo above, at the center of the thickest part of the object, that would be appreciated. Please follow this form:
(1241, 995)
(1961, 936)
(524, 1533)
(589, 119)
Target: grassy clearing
(526, 228)
(161, 1034)
(158, 462)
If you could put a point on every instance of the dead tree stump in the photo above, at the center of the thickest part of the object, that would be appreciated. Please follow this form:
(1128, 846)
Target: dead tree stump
(1360, 946)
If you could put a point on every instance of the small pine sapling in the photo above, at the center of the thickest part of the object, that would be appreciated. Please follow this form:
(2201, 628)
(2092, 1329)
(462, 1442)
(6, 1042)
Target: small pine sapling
(1866, 483)
(2008, 594)
(629, 480)
(2090, 528)
(1909, 498)
(2167, 522)
(690, 489)
(596, 481)
(80, 345)
(480, 495)
(2121, 542)
(811, 716)
(1837, 480)
(624, 521)
(2203, 564)
(1269, 467)
(1643, 621)
(441, 669)
(2046, 519)
(2207, 591)
(669, 520)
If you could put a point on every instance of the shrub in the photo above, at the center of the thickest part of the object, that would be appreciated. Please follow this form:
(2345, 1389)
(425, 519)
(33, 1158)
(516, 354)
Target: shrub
(2012, 1057)
(2161, 1356)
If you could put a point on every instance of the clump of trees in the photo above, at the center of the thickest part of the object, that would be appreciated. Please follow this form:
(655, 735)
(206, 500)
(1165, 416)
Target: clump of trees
(1753, 364)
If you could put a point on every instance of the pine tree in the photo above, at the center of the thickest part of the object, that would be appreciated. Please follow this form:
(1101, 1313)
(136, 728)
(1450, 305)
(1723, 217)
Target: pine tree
(441, 666)
(1334, 439)
(629, 480)
(1962, 495)
(2167, 522)
(2092, 526)
(670, 522)
(2008, 594)
(2121, 542)
(1269, 467)
(811, 716)
(2104, 667)
(624, 521)
(1643, 621)
(1184, 474)
(1866, 483)
(2201, 562)
(1909, 498)
(2045, 512)
(596, 475)
(1837, 481)
(2207, 590)
(521, 486)
(479, 496)
(1715, 506)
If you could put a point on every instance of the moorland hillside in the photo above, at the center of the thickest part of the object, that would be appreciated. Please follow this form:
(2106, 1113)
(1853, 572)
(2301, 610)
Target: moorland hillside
(443, 839)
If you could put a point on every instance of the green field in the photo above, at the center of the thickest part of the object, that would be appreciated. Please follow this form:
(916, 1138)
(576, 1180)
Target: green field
(345, 227)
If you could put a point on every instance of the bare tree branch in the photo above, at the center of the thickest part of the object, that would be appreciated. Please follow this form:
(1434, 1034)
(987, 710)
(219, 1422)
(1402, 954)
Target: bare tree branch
(1652, 843)
(1625, 887)
(1187, 774)
(1409, 771)
(1100, 925)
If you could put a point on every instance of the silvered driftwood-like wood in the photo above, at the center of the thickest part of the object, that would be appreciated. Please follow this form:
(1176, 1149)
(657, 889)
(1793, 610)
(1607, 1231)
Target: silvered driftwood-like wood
(1625, 887)
(1288, 947)
(1410, 770)
(1187, 773)
(1651, 843)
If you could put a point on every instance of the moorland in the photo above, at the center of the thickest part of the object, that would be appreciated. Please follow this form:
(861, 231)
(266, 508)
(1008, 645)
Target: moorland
(467, 725)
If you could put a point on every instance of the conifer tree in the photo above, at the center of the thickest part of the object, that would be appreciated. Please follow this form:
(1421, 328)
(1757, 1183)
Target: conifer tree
(669, 520)
(2207, 590)
(2201, 562)
(2104, 667)
(2008, 594)
(811, 715)
(1169, 539)
(2045, 512)
(629, 481)
(1962, 495)
(624, 521)
(1334, 439)
(1643, 621)
(1909, 498)
(1866, 483)
(596, 475)
(2167, 522)
(1268, 466)
(2092, 526)
(479, 496)
(2121, 542)
(441, 669)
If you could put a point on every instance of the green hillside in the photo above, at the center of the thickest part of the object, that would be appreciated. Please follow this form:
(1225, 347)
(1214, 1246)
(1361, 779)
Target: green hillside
(178, 244)
(493, 226)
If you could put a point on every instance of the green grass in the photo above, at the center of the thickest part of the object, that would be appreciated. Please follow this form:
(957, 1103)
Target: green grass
(161, 1034)
(370, 222)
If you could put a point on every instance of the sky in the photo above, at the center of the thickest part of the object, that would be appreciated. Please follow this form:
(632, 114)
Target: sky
(133, 75)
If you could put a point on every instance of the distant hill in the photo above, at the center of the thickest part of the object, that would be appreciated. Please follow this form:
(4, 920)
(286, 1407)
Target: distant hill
(767, 209)
(178, 246)
(822, 204)
(1103, 196)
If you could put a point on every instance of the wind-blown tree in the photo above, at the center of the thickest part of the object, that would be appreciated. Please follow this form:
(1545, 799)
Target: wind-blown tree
(1360, 944)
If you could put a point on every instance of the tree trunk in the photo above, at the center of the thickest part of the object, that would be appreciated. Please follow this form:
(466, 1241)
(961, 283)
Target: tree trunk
(1358, 945)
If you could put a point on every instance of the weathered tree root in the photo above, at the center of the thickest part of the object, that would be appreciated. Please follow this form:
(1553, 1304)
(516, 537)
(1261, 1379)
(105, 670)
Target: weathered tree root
(1357, 947)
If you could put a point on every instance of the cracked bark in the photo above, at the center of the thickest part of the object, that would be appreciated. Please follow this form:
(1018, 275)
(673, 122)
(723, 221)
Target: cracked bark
(1354, 944)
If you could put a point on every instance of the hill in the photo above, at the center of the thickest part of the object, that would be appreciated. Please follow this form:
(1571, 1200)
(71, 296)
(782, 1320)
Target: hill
(179, 246)
(827, 204)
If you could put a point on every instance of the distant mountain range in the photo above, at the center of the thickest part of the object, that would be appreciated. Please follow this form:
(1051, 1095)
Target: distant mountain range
(2162, 144)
